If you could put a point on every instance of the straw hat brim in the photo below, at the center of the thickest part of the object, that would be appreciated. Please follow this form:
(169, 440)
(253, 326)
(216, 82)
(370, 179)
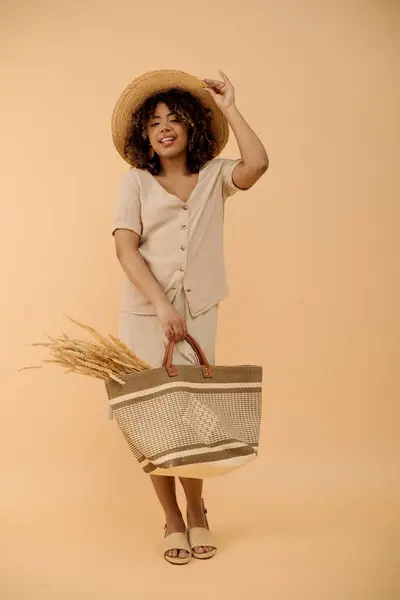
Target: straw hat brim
(153, 82)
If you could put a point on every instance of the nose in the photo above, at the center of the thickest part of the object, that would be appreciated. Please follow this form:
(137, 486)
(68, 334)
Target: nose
(165, 127)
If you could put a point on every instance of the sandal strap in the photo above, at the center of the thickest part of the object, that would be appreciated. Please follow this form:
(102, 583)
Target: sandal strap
(176, 541)
(199, 536)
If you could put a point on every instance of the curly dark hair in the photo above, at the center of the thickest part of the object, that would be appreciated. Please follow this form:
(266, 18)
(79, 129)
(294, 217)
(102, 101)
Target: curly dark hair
(197, 118)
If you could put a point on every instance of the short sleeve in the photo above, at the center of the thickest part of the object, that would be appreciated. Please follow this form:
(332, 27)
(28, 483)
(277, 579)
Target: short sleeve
(228, 186)
(128, 208)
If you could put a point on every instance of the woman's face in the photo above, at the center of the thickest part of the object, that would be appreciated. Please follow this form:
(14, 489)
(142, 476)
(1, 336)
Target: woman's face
(167, 135)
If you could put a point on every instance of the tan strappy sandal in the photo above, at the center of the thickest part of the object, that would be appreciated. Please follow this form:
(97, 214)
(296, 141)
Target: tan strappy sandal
(201, 536)
(176, 541)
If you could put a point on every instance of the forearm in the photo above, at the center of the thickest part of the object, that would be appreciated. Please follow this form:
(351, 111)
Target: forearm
(252, 150)
(137, 271)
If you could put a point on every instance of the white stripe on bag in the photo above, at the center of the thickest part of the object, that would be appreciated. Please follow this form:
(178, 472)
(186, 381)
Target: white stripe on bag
(187, 385)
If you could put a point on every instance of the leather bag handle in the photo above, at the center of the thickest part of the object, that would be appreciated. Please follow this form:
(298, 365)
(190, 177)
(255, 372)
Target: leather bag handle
(169, 352)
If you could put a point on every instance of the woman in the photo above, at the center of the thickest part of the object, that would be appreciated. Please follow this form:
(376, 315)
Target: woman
(168, 234)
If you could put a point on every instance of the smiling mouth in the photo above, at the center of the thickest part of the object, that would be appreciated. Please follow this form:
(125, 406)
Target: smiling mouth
(167, 141)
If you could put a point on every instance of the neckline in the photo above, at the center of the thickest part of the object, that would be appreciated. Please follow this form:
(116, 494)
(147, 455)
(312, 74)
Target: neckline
(192, 192)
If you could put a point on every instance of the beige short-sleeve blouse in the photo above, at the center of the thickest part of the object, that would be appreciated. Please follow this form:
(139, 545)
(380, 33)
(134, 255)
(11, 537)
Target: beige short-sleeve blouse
(182, 243)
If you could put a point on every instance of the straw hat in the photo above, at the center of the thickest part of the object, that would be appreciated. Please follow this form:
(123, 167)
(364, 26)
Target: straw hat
(153, 82)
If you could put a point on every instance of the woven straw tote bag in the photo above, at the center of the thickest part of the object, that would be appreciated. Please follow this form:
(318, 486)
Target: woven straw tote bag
(190, 421)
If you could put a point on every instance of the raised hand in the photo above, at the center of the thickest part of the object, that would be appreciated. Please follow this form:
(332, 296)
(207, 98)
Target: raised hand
(222, 92)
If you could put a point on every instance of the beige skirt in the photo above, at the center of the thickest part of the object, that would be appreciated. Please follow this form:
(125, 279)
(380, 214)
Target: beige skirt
(144, 335)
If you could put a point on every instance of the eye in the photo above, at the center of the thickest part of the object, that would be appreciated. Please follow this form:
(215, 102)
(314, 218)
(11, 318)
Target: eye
(154, 124)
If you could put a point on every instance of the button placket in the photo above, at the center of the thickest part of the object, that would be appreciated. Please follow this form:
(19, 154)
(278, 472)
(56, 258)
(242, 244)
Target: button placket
(184, 227)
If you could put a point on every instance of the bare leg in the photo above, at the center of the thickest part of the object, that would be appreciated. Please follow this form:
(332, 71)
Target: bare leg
(196, 518)
(165, 489)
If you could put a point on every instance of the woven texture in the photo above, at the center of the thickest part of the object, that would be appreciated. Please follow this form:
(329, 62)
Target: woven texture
(176, 541)
(188, 424)
(199, 536)
(137, 92)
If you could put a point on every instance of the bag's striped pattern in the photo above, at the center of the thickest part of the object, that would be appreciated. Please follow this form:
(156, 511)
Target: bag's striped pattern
(189, 425)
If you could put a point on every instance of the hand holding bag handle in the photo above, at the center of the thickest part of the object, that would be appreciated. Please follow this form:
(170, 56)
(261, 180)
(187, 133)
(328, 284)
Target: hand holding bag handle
(169, 351)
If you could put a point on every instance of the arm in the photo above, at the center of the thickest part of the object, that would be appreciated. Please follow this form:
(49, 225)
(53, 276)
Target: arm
(254, 157)
(137, 271)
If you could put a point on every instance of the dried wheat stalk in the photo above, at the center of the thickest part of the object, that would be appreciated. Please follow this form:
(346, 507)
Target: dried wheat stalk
(107, 359)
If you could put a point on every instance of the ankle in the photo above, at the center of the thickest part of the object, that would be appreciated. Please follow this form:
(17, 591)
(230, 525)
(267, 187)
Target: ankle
(173, 517)
(195, 506)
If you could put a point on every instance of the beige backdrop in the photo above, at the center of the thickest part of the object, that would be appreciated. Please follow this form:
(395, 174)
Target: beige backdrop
(313, 260)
